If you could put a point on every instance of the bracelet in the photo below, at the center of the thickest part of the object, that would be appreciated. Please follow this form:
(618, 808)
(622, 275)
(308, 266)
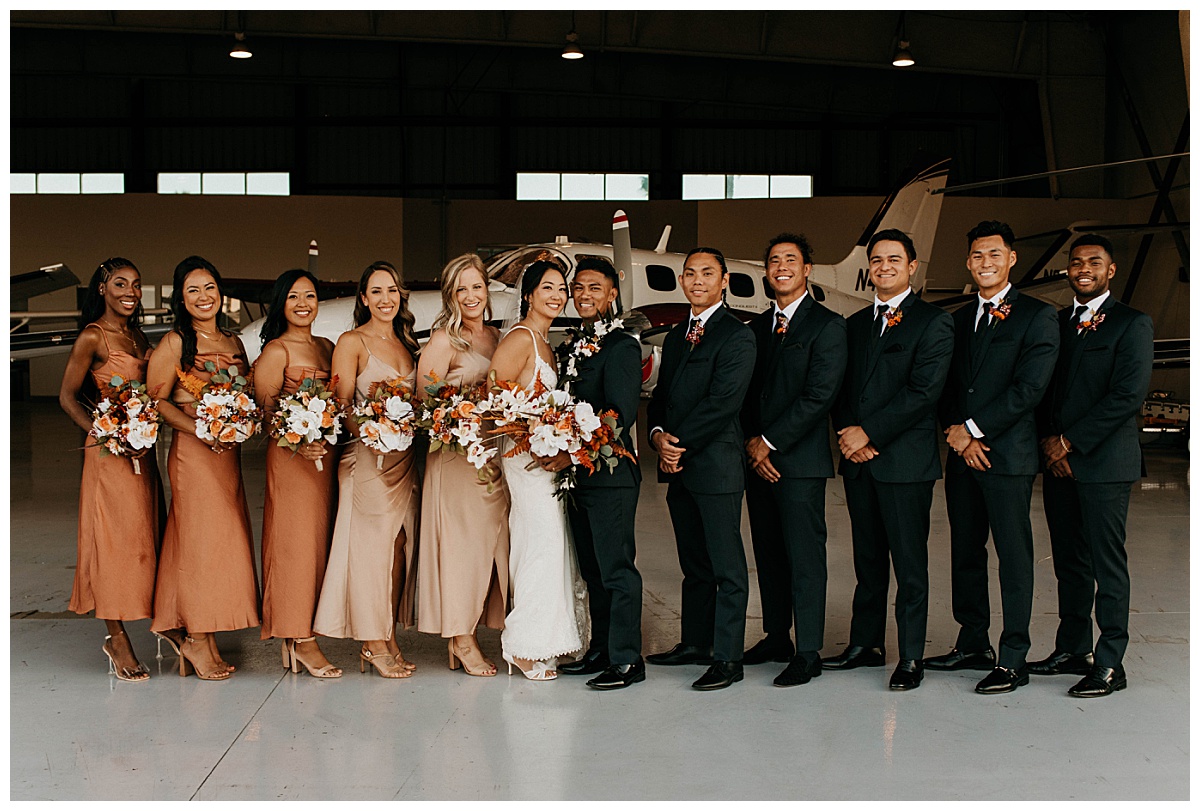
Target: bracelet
(1062, 441)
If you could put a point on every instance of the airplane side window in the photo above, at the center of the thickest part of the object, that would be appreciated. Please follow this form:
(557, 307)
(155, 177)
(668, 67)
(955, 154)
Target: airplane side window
(817, 292)
(660, 278)
(741, 285)
(767, 289)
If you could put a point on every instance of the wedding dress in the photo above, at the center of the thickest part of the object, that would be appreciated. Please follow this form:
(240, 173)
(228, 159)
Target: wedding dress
(549, 615)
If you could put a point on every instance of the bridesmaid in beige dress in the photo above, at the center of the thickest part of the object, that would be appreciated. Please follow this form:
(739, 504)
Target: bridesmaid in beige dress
(369, 581)
(118, 509)
(464, 529)
(298, 512)
(206, 578)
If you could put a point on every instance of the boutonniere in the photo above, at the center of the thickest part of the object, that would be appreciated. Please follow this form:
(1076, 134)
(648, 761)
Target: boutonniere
(1002, 310)
(694, 335)
(892, 317)
(583, 343)
(1093, 323)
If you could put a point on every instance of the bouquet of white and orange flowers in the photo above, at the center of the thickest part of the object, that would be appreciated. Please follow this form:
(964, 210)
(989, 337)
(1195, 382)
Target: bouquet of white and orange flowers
(125, 422)
(308, 415)
(386, 419)
(225, 411)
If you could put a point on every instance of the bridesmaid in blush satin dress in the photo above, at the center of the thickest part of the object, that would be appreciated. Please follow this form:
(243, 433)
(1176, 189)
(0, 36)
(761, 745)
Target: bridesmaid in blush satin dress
(464, 528)
(298, 511)
(206, 579)
(118, 508)
(369, 581)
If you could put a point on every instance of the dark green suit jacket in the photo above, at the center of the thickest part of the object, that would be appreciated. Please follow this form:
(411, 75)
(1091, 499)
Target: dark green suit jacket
(699, 397)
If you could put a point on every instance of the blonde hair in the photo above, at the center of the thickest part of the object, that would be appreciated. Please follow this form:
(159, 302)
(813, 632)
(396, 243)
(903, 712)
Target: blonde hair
(450, 318)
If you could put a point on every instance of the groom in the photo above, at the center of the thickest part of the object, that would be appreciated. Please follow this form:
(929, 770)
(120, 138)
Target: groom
(604, 368)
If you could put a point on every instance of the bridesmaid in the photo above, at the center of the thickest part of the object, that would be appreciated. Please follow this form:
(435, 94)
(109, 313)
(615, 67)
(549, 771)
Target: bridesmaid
(298, 513)
(206, 579)
(118, 509)
(464, 529)
(369, 581)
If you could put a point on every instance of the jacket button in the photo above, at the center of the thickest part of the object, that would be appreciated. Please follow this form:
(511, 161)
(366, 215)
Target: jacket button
(862, 399)
(970, 391)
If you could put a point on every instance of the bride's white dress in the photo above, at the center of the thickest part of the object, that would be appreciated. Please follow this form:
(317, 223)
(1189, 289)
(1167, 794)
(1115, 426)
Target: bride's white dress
(549, 615)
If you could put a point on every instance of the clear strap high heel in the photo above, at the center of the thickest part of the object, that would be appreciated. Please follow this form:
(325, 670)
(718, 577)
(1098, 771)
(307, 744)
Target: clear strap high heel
(139, 673)
(539, 670)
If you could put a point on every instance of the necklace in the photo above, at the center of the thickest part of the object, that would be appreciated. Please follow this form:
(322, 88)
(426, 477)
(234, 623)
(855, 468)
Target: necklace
(119, 330)
(208, 335)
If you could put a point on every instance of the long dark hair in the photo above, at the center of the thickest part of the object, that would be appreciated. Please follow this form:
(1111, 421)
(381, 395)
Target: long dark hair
(183, 319)
(93, 300)
(533, 277)
(275, 324)
(404, 322)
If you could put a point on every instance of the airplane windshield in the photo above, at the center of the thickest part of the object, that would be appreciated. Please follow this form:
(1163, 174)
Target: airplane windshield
(507, 268)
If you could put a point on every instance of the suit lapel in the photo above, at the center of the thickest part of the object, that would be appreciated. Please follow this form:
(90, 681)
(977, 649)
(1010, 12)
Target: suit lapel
(888, 336)
(790, 337)
(1079, 341)
(980, 351)
(686, 349)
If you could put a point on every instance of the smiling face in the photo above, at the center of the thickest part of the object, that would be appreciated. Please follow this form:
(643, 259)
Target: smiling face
(549, 297)
(382, 296)
(593, 294)
(201, 296)
(890, 270)
(300, 307)
(787, 272)
(990, 262)
(122, 292)
(471, 295)
(702, 281)
(1089, 272)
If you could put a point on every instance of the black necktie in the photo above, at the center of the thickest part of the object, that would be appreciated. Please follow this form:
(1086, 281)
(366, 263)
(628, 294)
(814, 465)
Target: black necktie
(1078, 316)
(876, 325)
(982, 324)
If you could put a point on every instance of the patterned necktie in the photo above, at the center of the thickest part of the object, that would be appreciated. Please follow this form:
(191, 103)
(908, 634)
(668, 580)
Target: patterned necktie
(984, 319)
(781, 323)
(1077, 318)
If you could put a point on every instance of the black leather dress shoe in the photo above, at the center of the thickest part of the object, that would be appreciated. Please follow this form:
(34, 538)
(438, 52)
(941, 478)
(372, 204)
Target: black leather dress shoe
(1002, 680)
(774, 648)
(1101, 681)
(617, 676)
(1057, 663)
(908, 675)
(855, 656)
(963, 660)
(719, 676)
(594, 661)
(800, 670)
(682, 654)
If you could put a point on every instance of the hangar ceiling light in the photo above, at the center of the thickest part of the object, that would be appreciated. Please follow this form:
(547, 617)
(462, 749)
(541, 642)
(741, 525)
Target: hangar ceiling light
(572, 49)
(903, 57)
(239, 49)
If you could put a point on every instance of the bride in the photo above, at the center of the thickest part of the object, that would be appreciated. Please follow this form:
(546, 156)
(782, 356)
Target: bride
(548, 617)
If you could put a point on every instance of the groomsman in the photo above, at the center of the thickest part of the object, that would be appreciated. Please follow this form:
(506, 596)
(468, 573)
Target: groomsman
(1089, 443)
(602, 506)
(706, 368)
(1004, 352)
(886, 414)
(798, 368)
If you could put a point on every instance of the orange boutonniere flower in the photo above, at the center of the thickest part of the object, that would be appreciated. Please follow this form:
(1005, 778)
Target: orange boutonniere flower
(892, 318)
(1092, 324)
(1002, 311)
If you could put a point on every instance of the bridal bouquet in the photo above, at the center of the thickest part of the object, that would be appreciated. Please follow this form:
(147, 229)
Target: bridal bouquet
(386, 419)
(225, 412)
(450, 416)
(309, 415)
(125, 422)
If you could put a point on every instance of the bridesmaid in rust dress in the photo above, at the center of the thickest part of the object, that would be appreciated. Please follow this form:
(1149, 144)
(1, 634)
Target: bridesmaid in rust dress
(298, 513)
(206, 579)
(369, 581)
(118, 508)
(464, 529)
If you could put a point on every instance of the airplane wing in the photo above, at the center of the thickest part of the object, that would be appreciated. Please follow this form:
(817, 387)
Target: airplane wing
(25, 286)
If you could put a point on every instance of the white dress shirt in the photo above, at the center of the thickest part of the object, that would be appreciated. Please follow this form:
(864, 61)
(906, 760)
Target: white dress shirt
(891, 304)
(995, 302)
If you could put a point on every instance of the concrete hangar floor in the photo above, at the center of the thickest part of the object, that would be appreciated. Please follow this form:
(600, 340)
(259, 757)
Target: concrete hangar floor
(76, 733)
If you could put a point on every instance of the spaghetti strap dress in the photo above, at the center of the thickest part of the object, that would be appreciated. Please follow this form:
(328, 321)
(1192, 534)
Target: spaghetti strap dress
(206, 578)
(463, 574)
(297, 525)
(369, 584)
(118, 519)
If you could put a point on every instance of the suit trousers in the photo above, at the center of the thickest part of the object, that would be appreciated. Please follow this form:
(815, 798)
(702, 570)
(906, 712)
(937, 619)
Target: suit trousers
(1087, 540)
(787, 528)
(602, 520)
(716, 582)
(975, 503)
(890, 518)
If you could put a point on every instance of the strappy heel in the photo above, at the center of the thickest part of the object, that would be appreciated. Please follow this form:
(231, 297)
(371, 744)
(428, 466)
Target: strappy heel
(186, 664)
(123, 673)
(539, 671)
(292, 660)
(456, 661)
(387, 664)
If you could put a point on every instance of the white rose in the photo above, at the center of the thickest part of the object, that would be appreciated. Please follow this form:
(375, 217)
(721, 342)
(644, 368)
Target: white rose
(397, 408)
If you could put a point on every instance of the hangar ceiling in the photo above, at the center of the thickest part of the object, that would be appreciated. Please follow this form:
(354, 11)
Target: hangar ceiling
(453, 104)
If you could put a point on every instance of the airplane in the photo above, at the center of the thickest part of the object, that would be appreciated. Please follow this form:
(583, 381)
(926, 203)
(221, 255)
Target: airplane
(649, 283)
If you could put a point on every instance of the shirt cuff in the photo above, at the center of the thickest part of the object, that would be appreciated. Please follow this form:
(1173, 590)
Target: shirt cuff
(767, 442)
(974, 429)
